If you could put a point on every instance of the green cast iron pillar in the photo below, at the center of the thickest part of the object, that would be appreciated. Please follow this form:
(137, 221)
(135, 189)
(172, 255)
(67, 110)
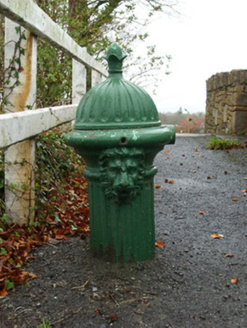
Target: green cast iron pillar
(118, 133)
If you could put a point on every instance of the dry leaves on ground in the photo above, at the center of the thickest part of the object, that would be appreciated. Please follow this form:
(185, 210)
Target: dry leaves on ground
(70, 218)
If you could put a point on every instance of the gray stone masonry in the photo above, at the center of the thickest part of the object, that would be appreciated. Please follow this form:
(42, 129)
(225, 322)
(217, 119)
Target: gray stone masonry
(226, 110)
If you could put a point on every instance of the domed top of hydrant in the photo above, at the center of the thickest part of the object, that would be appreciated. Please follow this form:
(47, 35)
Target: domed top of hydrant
(116, 103)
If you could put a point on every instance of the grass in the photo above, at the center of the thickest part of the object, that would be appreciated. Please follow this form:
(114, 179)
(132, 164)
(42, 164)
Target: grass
(45, 324)
(216, 143)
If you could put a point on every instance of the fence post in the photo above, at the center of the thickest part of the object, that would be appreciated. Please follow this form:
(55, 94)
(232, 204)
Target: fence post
(96, 78)
(21, 46)
(79, 81)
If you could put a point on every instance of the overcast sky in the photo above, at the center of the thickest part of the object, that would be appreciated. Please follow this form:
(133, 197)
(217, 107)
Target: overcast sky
(209, 37)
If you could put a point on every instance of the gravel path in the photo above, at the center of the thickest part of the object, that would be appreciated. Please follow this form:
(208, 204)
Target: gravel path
(190, 282)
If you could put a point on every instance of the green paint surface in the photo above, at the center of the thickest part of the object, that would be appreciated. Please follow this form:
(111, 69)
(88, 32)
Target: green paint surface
(118, 133)
(122, 233)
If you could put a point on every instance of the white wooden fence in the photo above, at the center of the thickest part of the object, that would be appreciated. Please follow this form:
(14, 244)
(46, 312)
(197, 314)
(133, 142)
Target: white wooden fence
(19, 126)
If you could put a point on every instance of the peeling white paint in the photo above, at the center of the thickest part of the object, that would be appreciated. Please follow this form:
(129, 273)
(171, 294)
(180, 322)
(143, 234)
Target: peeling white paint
(19, 201)
(135, 136)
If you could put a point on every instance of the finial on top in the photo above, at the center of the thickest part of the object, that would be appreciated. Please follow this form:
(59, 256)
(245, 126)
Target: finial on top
(115, 58)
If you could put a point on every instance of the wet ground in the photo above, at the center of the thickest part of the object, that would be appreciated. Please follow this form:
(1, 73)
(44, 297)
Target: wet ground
(195, 280)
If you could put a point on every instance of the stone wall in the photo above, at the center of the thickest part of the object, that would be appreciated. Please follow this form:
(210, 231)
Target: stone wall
(226, 111)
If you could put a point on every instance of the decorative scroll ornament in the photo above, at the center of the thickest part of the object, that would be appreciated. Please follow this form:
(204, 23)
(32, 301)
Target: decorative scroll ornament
(122, 173)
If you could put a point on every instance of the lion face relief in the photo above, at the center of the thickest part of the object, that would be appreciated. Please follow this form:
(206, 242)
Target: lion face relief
(121, 173)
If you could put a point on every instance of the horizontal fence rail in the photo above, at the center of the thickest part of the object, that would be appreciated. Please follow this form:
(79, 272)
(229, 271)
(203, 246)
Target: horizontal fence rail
(29, 15)
(16, 127)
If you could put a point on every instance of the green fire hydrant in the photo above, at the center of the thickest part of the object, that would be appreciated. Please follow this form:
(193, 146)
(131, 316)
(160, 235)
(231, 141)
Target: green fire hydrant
(118, 133)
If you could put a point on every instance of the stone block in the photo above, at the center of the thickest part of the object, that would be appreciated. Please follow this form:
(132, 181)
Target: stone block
(239, 88)
(243, 77)
(225, 79)
(240, 100)
(239, 122)
(209, 85)
(235, 77)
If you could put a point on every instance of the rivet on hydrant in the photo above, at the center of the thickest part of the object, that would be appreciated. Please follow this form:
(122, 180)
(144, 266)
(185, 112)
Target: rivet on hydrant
(118, 133)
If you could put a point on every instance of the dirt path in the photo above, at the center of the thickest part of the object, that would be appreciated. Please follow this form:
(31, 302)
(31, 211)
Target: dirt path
(188, 283)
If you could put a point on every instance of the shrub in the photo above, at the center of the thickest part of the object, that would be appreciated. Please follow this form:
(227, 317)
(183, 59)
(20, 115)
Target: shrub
(216, 143)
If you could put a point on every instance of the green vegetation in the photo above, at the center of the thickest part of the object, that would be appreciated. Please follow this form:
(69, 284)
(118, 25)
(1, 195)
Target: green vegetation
(45, 324)
(240, 133)
(9, 285)
(54, 161)
(216, 143)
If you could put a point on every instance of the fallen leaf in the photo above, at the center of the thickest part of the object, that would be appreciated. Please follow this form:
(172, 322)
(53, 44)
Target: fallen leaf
(198, 166)
(113, 317)
(201, 212)
(171, 181)
(234, 199)
(225, 172)
(21, 277)
(32, 275)
(86, 211)
(59, 237)
(196, 150)
(167, 151)
(166, 180)
(159, 244)
(198, 154)
(98, 311)
(229, 255)
(245, 190)
(208, 177)
(168, 157)
(3, 292)
(216, 236)
(157, 186)
(234, 281)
